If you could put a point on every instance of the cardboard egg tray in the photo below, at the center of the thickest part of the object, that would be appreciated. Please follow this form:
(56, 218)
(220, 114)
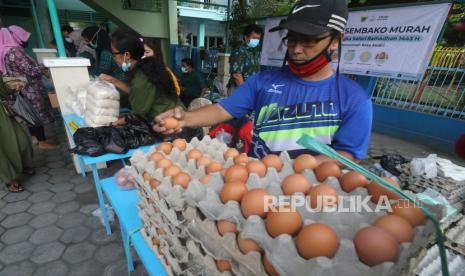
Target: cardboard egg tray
(430, 264)
(452, 190)
(179, 207)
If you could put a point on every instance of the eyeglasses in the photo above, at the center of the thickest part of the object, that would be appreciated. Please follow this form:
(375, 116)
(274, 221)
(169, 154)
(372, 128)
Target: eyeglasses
(305, 41)
(116, 53)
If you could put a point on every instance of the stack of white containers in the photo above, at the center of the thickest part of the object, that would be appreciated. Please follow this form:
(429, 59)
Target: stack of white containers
(102, 104)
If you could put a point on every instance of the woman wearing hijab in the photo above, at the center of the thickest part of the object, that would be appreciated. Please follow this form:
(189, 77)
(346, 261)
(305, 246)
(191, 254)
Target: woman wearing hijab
(14, 62)
(15, 148)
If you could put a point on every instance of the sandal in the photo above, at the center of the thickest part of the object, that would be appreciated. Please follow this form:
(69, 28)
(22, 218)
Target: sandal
(15, 187)
(29, 171)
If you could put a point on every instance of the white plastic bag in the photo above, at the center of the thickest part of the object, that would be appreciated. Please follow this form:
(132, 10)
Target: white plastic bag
(111, 214)
(425, 167)
(96, 121)
(99, 111)
(100, 90)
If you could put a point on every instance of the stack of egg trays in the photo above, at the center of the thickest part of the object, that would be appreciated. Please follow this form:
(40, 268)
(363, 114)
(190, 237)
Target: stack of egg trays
(452, 190)
(280, 251)
(173, 209)
(430, 263)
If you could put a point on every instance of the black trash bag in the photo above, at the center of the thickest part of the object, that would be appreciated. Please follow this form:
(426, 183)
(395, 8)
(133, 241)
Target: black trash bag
(137, 132)
(111, 140)
(22, 108)
(87, 142)
(391, 161)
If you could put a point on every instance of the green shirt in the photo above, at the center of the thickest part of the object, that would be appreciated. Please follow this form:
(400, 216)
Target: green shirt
(192, 84)
(146, 100)
(244, 60)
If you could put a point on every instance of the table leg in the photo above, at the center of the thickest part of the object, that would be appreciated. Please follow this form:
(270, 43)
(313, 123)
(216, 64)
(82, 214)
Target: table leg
(127, 248)
(81, 165)
(101, 200)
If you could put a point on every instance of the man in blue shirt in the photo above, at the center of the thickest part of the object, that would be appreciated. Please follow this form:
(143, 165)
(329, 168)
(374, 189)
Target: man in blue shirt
(304, 97)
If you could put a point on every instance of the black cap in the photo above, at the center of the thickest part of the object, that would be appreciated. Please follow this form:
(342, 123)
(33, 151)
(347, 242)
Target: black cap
(314, 17)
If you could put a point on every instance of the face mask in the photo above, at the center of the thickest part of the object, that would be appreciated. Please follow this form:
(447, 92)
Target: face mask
(253, 43)
(312, 66)
(126, 65)
(69, 40)
(183, 69)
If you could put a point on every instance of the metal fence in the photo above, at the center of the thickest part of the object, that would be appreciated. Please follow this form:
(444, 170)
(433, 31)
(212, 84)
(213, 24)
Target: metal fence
(441, 91)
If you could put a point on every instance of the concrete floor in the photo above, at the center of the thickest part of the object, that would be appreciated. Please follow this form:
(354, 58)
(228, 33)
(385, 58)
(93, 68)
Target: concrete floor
(49, 229)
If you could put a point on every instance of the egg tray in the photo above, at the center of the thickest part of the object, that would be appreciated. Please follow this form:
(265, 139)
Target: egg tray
(456, 235)
(206, 198)
(178, 256)
(430, 264)
(205, 232)
(453, 190)
(195, 261)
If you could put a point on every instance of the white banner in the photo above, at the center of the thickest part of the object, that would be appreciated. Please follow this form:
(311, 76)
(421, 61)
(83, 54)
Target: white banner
(392, 42)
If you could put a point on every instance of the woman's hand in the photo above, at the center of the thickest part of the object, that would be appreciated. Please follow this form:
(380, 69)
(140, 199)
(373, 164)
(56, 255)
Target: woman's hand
(107, 78)
(177, 113)
(120, 122)
(15, 85)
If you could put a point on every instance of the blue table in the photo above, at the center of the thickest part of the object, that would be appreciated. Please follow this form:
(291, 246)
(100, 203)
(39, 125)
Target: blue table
(124, 203)
(73, 122)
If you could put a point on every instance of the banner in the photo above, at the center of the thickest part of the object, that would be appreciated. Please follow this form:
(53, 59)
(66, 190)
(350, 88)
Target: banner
(391, 42)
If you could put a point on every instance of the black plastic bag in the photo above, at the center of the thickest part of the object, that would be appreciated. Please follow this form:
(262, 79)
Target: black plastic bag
(111, 140)
(137, 132)
(390, 162)
(22, 108)
(87, 142)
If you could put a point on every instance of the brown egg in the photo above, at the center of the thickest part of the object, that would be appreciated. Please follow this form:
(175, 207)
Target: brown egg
(269, 267)
(146, 176)
(247, 245)
(231, 152)
(374, 246)
(236, 173)
(214, 167)
(304, 162)
(397, 226)
(156, 242)
(164, 163)
(294, 183)
(156, 156)
(165, 147)
(327, 169)
(233, 191)
(376, 190)
(317, 240)
(273, 161)
(257, 167)
(352, 180)
(204, 161)
(241, 159)
(154, 183)
(253, 203)
(223, 265)
(172, 171)
(180, 144)
(205, 179)
(194, 154)
(182, 179)
(225, 226)
(409, 211)
(323, 195)
(171, 123)
(283, 220)
(160, 232)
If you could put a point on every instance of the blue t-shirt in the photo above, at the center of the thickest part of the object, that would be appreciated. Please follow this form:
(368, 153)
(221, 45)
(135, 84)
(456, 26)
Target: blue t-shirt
(286, 107)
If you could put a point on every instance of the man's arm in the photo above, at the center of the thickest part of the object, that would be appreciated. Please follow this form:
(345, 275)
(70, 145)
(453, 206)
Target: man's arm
(205, 116)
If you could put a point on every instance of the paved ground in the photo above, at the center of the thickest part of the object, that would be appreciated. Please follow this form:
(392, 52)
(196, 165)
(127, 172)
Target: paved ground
(49, 229)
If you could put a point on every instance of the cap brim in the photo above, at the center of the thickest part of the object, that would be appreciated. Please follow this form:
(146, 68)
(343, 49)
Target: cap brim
(300, 27)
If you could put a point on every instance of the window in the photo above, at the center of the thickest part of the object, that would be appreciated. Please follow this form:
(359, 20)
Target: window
(142, 5)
